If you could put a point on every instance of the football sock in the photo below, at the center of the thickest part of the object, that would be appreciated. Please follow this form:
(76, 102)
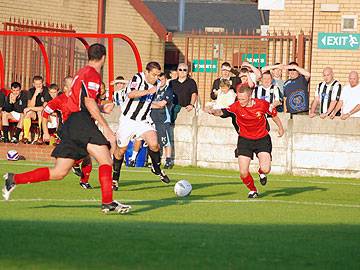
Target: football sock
(6, 132)
(37, 175)
(106, 183)
(155, 159)
(17, 132)
(27, 125)
(86, 170)
(117, 168)
(77, 162)
(134, 155)
(249, 182)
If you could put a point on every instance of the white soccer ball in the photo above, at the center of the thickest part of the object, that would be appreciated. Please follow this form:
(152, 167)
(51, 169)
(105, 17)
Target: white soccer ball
(12, 155)
(182, 188)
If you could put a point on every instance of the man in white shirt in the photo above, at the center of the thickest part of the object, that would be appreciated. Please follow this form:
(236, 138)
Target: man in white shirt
(349, 99)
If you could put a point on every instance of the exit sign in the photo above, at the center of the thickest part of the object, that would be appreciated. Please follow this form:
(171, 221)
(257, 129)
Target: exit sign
(338, 41)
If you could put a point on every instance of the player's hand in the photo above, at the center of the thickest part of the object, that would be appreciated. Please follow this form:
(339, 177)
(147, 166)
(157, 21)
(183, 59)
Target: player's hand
(152, 90)
(26, 110)
(323, 115)
(46, 137)
(189, 107)
(345, 116)
(109, 135)
(311, 114)
(281, 132)
(108, 107)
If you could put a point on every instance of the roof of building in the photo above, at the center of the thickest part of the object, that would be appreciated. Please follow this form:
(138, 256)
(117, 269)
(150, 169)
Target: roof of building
(199, 14)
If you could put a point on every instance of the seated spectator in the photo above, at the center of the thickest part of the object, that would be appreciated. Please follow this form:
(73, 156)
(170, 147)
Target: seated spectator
(276, 72)
(160, 114)
(225, 74)
(13, 109)
(53, 119)
(296, 93)
(225, 95)
(349, 98)
(38, 97)
(268, 91)
(185, 91)
(327, 94)
(104, 94)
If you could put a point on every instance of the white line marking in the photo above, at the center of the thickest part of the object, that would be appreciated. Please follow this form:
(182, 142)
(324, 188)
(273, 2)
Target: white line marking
(194, 201)
(343, 183)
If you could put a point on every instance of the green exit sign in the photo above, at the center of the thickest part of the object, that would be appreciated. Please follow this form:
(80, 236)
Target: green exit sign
(257, 60)
(338, 41)
(205, 66)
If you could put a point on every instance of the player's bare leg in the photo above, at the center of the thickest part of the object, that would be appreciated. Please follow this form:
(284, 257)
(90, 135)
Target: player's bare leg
(102, 155)
(244, 164)
(150, 137)
(118, 160)
(264, 166)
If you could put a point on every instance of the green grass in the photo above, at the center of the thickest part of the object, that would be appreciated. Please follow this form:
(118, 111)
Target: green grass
(297, 223)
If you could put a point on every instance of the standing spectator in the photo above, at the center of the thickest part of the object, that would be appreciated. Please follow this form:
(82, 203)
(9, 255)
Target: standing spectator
(104, 94)
(160, 114)
(173, 74)
(327, 94)
(38, 97)
(185, 91)
(225, 75)
(296, 89)
(349, 99)
(13, 109)
(276, 72)
(267, 91)
(119, 90)
(2, 101)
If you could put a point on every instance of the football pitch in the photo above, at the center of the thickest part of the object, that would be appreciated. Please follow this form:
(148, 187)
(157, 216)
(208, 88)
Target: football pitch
(296, 223)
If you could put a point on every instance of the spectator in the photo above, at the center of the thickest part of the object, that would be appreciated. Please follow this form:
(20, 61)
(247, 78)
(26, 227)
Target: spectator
(296, 92)
(38, 97)
(276, 72)
(53, 119)
(349, 99)
(225, 74)
(185, 91)
(225, 95)
(119, 90)
(2, 101)
(268, 91)
(327, 94)
(160, 114)
(13, 109)
(104, 95)
(173, 74)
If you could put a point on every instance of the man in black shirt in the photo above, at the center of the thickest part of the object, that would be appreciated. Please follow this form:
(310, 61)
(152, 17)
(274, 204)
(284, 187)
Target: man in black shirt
(13, 109)
(185, 91)
(38, 97)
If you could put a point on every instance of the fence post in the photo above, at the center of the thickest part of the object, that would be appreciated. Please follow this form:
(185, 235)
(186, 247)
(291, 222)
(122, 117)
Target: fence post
(301, 50)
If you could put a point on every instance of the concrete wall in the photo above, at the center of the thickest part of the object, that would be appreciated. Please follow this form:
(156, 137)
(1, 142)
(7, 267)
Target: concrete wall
(309, 146)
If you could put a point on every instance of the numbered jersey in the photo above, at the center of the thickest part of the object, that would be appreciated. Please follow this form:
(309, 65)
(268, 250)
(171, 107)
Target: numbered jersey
(138, 109)
(85, 84)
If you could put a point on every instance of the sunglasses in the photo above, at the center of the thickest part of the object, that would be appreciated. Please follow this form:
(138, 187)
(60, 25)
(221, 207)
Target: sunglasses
(182, 69)
(292, 69)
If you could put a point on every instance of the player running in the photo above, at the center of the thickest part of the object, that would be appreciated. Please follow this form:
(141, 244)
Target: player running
(59, 105)
(135, 121)
(253, 137)
(80, 136)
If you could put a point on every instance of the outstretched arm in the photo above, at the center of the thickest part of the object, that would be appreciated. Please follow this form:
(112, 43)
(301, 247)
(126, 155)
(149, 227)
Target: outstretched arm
(277, 121)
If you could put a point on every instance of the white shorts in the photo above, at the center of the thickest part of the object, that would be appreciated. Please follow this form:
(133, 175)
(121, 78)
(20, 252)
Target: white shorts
(130, 129)
(16, 115)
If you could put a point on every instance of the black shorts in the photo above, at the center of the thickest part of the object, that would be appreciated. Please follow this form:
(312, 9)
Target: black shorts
(75, 134)
(247, 147)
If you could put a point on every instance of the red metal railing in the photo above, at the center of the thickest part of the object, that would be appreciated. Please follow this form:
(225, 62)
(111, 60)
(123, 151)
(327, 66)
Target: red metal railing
(82, 38)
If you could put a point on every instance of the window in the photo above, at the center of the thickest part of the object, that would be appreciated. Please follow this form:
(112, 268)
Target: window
(349, 23)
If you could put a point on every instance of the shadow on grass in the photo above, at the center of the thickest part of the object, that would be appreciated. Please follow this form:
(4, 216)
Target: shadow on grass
(118, 243)
(290, 191)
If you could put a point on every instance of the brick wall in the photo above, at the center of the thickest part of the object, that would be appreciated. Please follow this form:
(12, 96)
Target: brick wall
(298, 16)
(30, 152)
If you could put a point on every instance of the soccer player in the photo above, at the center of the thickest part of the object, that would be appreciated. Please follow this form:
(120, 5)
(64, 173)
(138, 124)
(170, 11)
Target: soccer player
(80, 136)
(253, 137)
(59, 105)
(135, 121)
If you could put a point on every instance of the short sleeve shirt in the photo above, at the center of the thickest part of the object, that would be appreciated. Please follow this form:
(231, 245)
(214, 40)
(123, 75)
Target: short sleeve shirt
(41, 98)
(297, 95)
(183, 91)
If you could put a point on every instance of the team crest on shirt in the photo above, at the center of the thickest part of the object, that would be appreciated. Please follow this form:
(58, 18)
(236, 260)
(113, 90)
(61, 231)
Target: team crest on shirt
(93, 86)
(258, 114)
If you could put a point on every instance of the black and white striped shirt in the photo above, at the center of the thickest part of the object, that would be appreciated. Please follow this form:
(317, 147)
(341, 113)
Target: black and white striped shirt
(270, 94)
(327, 93)
(138, 108)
